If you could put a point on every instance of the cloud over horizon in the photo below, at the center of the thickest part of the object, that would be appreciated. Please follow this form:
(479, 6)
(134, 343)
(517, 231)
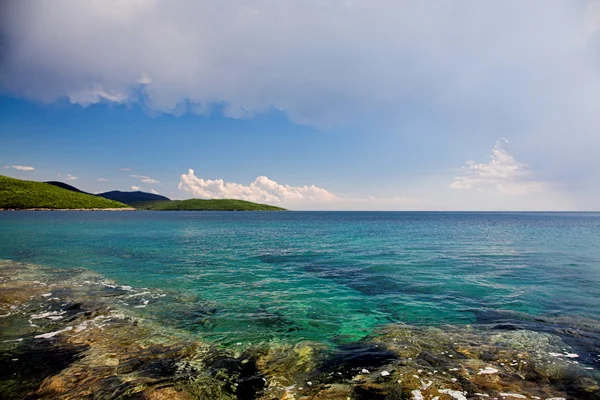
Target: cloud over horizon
(20, 167)
(502, 174)
(145, 179)
(261, 190)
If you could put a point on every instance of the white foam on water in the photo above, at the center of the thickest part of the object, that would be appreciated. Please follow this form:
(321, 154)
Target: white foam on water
(49, 315)
(487, 371)
(425, 385)
(52, 334)
(138, 294)
(13, 340)
(417, 395)
(571, 355)
(513, 395)
(46, 294)
(455, 394)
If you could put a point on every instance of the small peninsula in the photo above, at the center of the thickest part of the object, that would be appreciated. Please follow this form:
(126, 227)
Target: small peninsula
(206, 205)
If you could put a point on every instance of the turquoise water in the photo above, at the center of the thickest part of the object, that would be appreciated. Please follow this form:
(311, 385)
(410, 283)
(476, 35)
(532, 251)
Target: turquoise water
(325, 276)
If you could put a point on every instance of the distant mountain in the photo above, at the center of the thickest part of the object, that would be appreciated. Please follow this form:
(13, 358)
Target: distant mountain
(132, 198)
(66, 186)
(129, 198)
(207, 205)
(22, 195)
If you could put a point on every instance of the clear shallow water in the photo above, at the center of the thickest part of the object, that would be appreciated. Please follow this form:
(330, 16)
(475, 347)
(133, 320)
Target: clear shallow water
(324, 276)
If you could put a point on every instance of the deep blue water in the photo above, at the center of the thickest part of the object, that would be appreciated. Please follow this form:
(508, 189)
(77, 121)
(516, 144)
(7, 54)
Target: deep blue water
(328, 276)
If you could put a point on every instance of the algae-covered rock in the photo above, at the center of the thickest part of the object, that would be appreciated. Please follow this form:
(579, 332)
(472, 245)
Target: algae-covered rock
(73, 335)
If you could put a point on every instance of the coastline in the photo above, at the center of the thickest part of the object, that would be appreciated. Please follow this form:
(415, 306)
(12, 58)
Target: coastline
(69, 209)
(127, 209)
(86, 334)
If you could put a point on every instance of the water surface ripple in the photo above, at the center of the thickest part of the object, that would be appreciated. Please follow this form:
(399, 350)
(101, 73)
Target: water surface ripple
(327, 276)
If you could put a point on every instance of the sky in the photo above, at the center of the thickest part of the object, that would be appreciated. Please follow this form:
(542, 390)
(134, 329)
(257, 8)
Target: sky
(309, 105)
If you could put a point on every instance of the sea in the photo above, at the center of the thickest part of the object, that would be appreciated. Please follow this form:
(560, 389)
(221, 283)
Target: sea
(333, 278)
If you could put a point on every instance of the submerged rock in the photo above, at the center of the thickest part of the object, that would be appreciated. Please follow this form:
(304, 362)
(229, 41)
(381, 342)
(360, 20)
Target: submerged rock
(85, 340)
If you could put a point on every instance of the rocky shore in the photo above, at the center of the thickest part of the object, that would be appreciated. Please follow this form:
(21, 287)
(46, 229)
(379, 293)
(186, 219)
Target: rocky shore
(71, 334)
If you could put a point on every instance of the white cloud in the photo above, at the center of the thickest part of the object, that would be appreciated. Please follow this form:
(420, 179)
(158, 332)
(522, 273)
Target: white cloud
(502, 173)
(145, 179)
(320, 62)
(103, 179)
(137, 188)
(71, 177)
(261, 190)
(20, 167)
(154, 191)
(455, 65)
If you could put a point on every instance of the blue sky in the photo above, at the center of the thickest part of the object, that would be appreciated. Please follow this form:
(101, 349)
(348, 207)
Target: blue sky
(381, 105)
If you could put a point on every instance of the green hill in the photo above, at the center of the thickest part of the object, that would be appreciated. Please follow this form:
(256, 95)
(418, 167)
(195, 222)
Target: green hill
(66, 186)
(133, 198)
(19, 194)
(207, 205)
(129, 198)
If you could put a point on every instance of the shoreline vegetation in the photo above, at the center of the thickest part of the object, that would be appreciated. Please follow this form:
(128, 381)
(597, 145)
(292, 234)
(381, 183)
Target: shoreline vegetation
(91, 337)
(206, 205)
(69, 209)
(21, 195)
